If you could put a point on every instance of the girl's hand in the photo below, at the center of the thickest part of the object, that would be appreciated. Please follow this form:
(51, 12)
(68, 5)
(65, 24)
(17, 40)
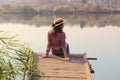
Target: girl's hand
(44, 56)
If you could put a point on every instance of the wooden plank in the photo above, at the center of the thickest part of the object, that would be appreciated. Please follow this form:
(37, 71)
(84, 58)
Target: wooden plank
(87, 68)
(56, 68)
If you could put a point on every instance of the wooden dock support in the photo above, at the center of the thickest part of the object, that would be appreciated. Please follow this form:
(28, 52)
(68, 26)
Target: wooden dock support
(56, 68)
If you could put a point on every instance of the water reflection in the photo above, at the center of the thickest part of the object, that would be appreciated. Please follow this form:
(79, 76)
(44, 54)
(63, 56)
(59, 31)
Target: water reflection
(87, 20)
(102, 43)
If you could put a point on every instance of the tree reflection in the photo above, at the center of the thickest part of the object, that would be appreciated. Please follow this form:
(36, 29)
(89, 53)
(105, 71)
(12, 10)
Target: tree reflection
(83, 20)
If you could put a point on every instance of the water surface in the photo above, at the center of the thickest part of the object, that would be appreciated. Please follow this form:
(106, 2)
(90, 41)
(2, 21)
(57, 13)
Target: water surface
(95, 36)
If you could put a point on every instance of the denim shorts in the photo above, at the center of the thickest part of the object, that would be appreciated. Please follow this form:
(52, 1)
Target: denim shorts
(60, 52)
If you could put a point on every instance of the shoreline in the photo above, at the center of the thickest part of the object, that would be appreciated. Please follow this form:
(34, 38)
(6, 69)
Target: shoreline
(67, 12)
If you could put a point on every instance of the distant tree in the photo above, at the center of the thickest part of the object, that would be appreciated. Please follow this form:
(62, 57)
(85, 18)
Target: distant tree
(61, 9)
(27, 9)
(84, 1)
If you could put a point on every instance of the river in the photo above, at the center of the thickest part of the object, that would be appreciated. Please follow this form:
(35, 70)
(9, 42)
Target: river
(97, 35)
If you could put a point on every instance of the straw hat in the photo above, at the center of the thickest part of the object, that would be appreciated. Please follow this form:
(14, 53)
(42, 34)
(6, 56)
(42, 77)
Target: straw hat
(57, 22)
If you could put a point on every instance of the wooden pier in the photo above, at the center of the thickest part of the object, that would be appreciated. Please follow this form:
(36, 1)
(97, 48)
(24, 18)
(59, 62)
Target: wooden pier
(56, 68)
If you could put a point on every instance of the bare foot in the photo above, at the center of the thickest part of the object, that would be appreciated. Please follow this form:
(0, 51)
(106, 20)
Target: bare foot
(67, 59)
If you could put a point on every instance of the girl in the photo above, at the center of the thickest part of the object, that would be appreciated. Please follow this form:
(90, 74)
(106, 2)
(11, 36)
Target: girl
(56, 40)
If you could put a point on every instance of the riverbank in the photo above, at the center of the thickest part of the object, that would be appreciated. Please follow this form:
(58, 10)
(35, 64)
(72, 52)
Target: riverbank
(51, 12)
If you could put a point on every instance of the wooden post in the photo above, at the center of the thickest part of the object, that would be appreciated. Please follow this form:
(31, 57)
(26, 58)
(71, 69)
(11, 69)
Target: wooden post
(92, 58)
(87, 68)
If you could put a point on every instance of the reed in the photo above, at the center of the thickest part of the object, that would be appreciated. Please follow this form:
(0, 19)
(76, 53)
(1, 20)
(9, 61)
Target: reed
(16, 59)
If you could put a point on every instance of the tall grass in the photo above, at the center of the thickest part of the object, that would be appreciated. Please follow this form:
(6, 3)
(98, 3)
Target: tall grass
(16, 59)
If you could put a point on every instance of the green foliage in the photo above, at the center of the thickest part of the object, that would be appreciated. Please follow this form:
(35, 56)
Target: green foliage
(60, 9)
(26, 9)
(44, 9)
(16, 60)
(2, 9)
(20, 8)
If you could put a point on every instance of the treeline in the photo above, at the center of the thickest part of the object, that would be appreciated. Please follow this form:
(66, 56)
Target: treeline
(63, 6)
(22, 8)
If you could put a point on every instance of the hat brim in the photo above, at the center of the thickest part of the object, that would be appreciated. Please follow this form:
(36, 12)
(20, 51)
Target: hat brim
(56, 25)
